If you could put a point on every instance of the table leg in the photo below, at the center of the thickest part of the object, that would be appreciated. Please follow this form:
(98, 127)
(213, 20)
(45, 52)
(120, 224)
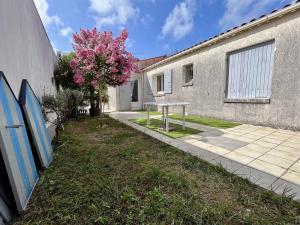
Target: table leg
(167, 119)
(148, 115)
(183, 119)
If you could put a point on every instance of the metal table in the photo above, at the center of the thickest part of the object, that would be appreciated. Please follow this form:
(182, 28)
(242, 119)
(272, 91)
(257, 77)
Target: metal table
(165, 112)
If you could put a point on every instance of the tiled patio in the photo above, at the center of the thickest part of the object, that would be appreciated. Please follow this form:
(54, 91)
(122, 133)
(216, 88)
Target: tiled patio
(266, 156)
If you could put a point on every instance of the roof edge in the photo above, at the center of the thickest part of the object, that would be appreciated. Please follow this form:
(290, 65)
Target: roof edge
(230, 33)
(35, 7)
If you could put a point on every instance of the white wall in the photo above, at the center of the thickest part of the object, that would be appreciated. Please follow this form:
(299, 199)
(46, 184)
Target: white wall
(25, 50)
(207, 95)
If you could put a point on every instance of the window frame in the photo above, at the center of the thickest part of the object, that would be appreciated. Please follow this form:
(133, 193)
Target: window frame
(265, 100)
(190, 82)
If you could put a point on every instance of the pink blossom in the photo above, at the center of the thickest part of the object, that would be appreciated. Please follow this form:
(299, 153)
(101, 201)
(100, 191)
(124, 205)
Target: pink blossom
(95, 51)
(78, 79)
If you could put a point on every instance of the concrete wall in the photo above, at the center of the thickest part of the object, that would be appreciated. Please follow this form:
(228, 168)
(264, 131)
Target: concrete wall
(25, 50)
(208, 91)
(120, 97)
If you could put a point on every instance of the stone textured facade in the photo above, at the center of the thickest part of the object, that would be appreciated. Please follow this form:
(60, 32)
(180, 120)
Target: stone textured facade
(207, 92)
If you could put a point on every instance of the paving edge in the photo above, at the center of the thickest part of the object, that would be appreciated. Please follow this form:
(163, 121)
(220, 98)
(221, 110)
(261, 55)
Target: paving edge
(258, 177)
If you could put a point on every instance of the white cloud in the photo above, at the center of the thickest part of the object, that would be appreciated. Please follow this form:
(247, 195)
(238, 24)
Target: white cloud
(54, 47)
(147, 19)
(239, 11)
(129, 43)
(180, 21)
(166, 47)
(42, 7)
(111, 12)
(66, 31)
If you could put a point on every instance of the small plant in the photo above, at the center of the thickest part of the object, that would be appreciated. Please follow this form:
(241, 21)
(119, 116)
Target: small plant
(64, 104)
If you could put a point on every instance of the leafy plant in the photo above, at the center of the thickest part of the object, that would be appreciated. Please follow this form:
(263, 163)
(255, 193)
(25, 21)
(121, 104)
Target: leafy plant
(63, 73)
(64, 104)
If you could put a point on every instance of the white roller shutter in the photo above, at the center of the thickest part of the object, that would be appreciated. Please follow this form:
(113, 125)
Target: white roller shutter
(168, 81)
(250, 72)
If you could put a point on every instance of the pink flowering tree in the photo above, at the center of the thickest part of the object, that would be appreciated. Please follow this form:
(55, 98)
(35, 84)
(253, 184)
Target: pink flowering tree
(101, 60)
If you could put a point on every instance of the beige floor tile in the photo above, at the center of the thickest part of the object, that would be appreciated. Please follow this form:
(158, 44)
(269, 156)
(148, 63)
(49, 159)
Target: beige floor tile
(257, 147)
(251, 152)
(281, 135)
(267, 167)
(201, 144)
(261, 133)
(290, 132)
(249, 129)
(291, 144)
(239, 157)
(283, 154)
(265, 144)
(190, 140)
(242, 138)
(235, 133)
(276, 160)
(292, 177)
(217, 150)
(277, 137)
(296, 167)
(254, 137)
(269, 129)
(271, 140)
(288, 149)
(294, 139)
(195, 136)
(233, 136)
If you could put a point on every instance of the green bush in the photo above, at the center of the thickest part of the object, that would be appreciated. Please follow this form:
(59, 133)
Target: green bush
(64, 104)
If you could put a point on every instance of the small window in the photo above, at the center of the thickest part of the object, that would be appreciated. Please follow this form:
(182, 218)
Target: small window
(160, 83)
(188, 74)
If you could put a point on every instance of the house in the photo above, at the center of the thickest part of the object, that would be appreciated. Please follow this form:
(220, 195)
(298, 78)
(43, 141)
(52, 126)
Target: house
(249, 74)
(25, 53)
(130, 95)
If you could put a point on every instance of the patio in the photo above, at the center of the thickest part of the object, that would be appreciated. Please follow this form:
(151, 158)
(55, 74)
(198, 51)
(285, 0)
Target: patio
(266, 156)
(118, 175)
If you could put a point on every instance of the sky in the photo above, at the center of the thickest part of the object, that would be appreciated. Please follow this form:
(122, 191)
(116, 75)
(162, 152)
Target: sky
(156, 27)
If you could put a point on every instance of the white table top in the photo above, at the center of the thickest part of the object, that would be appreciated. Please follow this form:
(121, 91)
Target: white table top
(167, 103)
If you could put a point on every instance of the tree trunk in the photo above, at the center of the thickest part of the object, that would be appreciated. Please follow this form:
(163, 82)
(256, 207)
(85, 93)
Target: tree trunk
(94, 101)
(100, 102)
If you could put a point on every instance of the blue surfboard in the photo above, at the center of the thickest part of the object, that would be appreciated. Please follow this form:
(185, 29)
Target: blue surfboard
(15, 147)
(37, 125)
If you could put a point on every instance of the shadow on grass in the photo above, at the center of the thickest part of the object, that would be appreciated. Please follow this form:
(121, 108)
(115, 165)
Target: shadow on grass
(157, 125)
(206, 121)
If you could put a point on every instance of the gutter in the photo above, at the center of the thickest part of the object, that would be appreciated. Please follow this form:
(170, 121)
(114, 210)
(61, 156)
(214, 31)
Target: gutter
(229, 34)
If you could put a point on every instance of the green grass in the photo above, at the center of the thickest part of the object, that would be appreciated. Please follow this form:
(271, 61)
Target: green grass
(152, 113)
(118, 175)
(156, 124)
(206, 121)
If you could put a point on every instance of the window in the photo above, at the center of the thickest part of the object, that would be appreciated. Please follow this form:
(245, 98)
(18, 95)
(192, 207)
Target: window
(160, 83)
(188, 74)
(250, 72)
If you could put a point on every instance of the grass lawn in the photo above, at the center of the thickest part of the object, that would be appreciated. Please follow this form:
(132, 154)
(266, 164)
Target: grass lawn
(206, 121)
(156, 124)
(118, 175)
(152, 113)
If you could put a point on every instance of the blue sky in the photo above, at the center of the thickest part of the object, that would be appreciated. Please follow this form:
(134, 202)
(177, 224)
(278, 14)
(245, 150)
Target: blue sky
(156, 27)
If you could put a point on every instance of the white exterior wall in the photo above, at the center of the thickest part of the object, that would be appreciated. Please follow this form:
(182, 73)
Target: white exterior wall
(25, 50)
(210, 69)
